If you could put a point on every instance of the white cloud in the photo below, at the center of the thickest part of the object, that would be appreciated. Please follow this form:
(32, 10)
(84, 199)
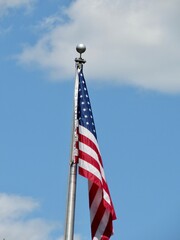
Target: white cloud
(16, 223)
(6, 5)
(14, 206)
(132, 42)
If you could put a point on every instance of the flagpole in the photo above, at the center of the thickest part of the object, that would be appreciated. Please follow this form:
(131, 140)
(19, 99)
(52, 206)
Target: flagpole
(70, 211)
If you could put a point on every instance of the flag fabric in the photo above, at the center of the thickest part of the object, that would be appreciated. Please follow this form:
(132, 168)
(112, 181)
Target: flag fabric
(90, 164)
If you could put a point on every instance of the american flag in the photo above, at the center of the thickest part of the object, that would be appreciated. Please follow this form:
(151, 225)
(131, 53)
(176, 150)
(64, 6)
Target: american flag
(91, 167)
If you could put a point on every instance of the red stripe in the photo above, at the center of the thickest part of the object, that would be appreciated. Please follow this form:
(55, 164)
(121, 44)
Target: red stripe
(107, 205)
(90, 143)
(104, 238)
(100, 208)
(109, 228)
(110, 208)
(91, 176)
(86, 157)
(97, 219)
(92, 193)
(85, 173)
(91, 160)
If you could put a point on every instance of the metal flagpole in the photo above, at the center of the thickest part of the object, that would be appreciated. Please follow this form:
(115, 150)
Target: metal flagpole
(70, 211)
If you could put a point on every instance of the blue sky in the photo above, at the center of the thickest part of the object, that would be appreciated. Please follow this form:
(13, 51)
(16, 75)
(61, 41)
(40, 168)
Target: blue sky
(132, 72)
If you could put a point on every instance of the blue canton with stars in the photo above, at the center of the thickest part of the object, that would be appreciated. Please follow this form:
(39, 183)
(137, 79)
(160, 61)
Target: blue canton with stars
(85, 115)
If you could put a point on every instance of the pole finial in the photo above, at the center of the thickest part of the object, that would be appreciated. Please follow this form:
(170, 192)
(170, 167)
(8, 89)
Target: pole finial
(80, 48)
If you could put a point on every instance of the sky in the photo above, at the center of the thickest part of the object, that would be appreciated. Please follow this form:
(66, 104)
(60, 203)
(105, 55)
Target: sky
(133, 77)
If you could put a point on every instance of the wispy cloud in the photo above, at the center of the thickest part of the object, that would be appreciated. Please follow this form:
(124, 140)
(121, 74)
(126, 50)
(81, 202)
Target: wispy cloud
(6, 5)
(17, 223)
(49, 23)
(128, 42)
(5, 31)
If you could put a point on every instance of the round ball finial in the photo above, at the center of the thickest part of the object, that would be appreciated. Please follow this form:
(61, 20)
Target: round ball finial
(81, 48)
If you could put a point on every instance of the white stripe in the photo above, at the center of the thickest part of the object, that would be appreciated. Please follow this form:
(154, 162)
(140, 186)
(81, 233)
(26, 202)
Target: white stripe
(88, 150)
(95, 204)
(84, 131)
(102, 225)
(90, 168)
(106, 197)
(85, 148)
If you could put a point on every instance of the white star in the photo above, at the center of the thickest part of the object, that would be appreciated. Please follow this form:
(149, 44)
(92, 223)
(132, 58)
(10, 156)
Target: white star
(86, 95)
(87, 123)
(90, 109)
(81, 96)
(85, 116)
(82, 103)
(84, 109)
(85, 89)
